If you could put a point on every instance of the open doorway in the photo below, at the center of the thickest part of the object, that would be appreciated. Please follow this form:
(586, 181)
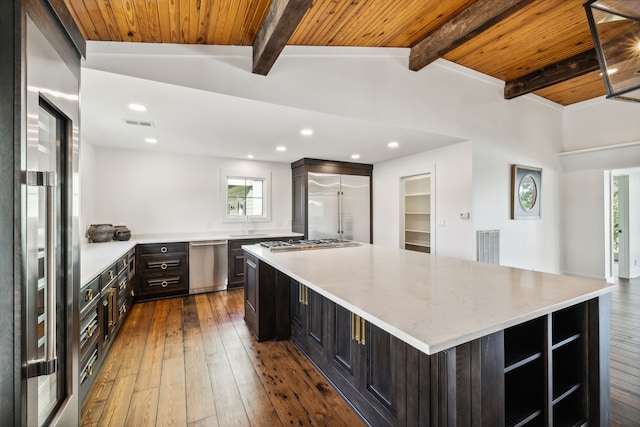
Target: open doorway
(625, 233)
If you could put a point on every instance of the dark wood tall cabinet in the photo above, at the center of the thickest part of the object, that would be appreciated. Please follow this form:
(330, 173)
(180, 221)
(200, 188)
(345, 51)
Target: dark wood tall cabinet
(300, 191)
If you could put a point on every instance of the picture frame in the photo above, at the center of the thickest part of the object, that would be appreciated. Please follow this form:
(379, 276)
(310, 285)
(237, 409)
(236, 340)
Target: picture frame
(526, 192)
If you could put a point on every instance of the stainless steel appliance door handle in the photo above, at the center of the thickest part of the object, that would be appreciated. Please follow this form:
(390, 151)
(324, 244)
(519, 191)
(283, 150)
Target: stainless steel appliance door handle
(208, 243)
(48, 365)
(339, 213)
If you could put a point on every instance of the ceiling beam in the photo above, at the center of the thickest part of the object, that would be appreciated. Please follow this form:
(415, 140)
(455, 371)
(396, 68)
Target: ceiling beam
(467, 24)
(281, 21)
(559, 72)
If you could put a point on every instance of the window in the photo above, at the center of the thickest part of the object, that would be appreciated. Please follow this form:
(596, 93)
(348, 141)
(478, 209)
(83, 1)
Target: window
(246, 196)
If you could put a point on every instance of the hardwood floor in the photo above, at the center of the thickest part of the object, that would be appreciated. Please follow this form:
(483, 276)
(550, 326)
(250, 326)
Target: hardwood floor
(625, 354)
(192, 362)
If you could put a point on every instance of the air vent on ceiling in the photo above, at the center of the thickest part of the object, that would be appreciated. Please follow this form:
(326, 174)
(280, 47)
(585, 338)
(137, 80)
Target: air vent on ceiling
(138, 123)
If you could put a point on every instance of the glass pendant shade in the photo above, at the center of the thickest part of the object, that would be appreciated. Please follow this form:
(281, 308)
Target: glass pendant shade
(615, 27)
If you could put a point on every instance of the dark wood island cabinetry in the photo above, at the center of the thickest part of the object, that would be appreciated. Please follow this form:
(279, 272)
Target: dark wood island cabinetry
(549, 370)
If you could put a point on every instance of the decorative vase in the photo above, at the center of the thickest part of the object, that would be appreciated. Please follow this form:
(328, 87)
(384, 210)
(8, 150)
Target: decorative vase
(122, 233)
(100, 233)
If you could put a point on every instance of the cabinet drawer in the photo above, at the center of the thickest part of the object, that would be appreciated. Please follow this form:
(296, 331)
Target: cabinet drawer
(163, 285)
(123, 282)
(163, 248)
(88, 328)
(122, 263)
(163, 263)
(108, 276)
(88, 364)
(89, 293)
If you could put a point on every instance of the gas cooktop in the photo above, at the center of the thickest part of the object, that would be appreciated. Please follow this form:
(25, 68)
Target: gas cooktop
(294, 245)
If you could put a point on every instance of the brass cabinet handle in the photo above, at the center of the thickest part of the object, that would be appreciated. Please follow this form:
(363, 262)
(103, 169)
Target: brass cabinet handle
(111, 275)
(357, 329)
(124, 262)
(165, 284)
(123, 285)
(306, 296)
(353, 326)
(132, 293)
(90, 331)
(163, 249)
(90, 369)
(89, 294)
(164, 266)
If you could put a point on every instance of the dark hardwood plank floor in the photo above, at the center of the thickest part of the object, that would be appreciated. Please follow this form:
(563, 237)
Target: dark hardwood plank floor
(625, 354)
(193, 362)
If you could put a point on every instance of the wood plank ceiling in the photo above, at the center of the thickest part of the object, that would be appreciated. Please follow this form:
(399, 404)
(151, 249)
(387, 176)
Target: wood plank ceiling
(539, 46)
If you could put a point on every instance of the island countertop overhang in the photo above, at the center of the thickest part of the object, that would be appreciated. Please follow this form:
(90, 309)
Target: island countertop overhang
(431, 302)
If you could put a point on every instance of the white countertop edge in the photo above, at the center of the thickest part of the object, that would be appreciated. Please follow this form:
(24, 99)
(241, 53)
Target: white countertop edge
(96, 257)
(440, 346)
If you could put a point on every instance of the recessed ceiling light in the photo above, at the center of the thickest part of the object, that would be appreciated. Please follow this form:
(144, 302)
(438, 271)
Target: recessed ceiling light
(151, 140)
(393, 144)
(355, 156)
(281, 148)
(306, 132)
(137, 107)
(250, 156)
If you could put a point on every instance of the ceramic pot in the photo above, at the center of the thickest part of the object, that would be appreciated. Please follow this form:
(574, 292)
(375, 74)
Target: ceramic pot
(122, 233)
(100, 233)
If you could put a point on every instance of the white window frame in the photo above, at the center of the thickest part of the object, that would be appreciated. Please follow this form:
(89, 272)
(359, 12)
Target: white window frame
(265, 177)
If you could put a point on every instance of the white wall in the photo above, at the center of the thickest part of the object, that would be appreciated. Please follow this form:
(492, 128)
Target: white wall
(163, 192)
(451, 172)
(583, 223)
(376, 85)
(598, 136)
(88, 185)
(634, 223)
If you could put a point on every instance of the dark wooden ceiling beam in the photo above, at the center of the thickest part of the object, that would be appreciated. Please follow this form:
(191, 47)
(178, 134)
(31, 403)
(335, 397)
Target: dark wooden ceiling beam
(281, 21)
(467, 24)
(559, 72)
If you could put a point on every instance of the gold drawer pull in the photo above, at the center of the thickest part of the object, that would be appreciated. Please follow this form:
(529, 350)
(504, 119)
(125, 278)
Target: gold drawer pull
(111, 275)
(362, 331)
(164, 284)
(133, 293)
(124, 262)
(89, 294)
(164, 266)
(123, 285)
(163, 249)
(90, 369)
(90, 331)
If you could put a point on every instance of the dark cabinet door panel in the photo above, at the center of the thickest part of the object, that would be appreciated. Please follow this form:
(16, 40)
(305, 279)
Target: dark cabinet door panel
(344, 349)
(385, 376)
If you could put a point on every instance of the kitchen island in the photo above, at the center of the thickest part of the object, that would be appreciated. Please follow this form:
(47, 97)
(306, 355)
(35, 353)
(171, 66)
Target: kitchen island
(411, 339)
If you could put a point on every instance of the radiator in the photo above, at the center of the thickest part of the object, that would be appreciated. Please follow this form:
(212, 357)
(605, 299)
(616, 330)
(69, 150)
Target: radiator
(488, 246)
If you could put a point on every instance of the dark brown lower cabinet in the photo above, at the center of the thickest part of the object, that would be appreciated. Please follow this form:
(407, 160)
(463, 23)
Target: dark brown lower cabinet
(266, 300)
(549, 371)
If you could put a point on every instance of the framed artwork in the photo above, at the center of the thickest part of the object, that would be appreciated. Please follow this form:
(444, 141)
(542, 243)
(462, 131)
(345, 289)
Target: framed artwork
(526, 188)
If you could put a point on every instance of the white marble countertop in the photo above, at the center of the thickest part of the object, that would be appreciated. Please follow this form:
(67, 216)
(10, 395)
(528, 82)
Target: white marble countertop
(431, 302)
(95, 257)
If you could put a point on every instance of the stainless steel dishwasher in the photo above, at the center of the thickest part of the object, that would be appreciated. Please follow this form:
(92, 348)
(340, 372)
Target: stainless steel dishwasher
(207, 266)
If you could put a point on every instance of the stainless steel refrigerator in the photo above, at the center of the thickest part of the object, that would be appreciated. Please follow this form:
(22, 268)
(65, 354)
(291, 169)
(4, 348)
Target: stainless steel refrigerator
(43, 138)
(339, 207)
